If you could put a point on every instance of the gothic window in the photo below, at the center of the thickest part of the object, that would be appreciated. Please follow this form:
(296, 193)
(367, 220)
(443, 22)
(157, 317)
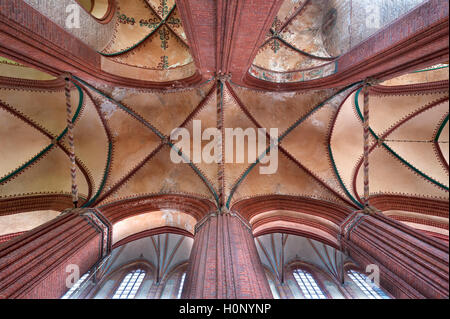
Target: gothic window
(75, 286)
(369, 289)
(308, 285)
(130, 285)
(180, 288)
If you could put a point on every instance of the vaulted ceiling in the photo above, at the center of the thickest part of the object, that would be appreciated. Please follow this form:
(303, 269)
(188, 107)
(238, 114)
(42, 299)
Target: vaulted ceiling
(308, 36)
(295, 39)
(122, 150)
(122, 143)
(148, 38)
(149, 35)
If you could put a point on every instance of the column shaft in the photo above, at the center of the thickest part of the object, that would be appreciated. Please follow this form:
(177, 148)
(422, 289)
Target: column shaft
(411, 264)
(224, 262)
(33, 265)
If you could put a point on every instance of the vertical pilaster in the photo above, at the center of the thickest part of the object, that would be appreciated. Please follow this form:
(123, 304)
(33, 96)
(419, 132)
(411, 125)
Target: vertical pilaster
(224, 262)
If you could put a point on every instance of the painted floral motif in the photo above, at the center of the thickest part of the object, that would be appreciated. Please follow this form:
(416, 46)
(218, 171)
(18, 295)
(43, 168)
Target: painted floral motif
(164, 35)
(150, 23)
(275, 45)
(164, 64)
(163, 9)
(164, 25)
(174, 22)
(126, 20)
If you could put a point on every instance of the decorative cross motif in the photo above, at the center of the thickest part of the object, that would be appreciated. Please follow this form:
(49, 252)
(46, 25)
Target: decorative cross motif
(164, 64)
(126, 20)
(163, 21)
(163, 9)
(174, 22)
(151, 23)
(164, 36)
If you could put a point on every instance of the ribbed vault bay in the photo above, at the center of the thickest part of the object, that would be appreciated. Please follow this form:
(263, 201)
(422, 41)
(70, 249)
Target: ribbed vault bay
(123, 148)
(308, 36)
(138, 39)
(256, 149)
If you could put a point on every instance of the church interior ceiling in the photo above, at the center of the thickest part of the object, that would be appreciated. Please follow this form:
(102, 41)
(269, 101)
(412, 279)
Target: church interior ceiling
(122, 135)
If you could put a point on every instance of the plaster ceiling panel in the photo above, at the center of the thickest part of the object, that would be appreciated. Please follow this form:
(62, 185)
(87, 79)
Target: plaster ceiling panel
(269, 247)
(45, 108)
(387, 110)
(10, 224)
(419, 77)
(444, 147)
(387, 175)
(286, 11)
(280, 110)
(19, 142)
(128, 33)
(318, 31)
(275, 56)
(13, 69)
(139, 223)
(50, 174)
(423, 158)
(289, 179)
(182, 254)
(235, 118)
(308, 144)
(175, 24)
(160, 175)
(444, 141)
(167, 111)
(305, 31)
(208, 119)
(347, 141)
(162, 50)
(91, 141)
(132, 141)
(296, 33)
(421, 127)
(148, 35)
(444, 134)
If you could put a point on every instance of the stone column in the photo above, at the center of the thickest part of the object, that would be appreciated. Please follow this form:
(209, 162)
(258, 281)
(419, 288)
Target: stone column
(411, 264)
(33, 265)
(224, 262)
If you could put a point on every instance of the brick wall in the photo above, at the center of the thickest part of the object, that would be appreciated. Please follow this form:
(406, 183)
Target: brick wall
(33, 265)
(224, 262)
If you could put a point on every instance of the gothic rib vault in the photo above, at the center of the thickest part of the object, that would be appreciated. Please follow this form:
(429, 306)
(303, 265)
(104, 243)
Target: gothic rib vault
(122, 132)
(122, 148)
